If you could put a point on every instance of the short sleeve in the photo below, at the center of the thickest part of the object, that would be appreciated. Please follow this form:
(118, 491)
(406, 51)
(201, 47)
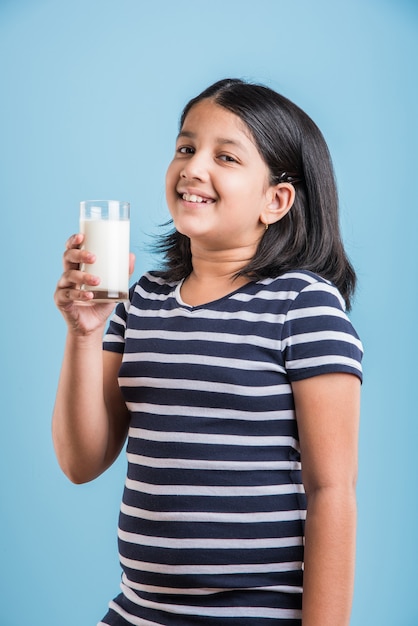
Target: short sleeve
(114, 339)
(318, 337)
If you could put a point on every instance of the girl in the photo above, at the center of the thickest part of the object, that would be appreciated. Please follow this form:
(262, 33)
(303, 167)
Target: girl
(235, 373)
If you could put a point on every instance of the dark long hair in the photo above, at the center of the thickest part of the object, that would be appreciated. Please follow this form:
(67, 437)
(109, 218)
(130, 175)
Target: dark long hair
(294, 149)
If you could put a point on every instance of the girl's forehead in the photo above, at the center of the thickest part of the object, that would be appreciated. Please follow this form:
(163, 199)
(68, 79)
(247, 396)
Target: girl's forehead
(209, 114)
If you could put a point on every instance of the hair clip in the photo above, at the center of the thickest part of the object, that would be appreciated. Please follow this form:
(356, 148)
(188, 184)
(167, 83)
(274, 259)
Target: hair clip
(289, 178)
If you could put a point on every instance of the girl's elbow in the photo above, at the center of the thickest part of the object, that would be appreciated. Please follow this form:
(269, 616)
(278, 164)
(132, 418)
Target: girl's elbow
(76, 472)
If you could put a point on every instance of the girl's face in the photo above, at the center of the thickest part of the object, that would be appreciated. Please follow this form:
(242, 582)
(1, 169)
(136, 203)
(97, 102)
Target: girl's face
(217, 185)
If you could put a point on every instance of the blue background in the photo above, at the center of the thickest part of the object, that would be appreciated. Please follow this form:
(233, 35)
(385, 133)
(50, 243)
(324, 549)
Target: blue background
(90, 94)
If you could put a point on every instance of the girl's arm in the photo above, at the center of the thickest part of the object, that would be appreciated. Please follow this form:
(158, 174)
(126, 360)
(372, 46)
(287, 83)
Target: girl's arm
(327, 411)
(90, 418)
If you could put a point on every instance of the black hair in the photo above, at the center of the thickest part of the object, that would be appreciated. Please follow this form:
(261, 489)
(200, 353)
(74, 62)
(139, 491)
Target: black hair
(294, 149)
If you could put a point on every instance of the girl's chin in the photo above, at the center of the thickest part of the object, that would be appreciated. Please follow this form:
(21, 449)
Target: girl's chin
(192, 228)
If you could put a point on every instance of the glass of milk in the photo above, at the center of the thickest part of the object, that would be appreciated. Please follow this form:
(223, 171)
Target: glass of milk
(105, 225)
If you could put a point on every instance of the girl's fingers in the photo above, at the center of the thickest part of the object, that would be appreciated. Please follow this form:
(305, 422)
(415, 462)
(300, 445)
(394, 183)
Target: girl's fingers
(131, 263)
(74, 257)
(72, 290)
(69, 289)
(74, 277)
(65, 298)
(74, 241)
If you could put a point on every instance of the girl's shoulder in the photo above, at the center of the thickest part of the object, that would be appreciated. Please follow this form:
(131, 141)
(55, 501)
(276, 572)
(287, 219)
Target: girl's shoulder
(152, 283)
(304, 285)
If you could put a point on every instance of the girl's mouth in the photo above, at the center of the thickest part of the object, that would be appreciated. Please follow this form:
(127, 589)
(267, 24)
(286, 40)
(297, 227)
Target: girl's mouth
(191, 197)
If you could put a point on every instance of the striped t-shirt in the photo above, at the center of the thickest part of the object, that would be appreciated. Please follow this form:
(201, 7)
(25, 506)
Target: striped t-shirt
(212, 517)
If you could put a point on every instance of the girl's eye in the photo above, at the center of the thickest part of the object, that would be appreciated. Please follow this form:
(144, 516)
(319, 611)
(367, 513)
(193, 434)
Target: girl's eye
(185, 150)
(227, 158)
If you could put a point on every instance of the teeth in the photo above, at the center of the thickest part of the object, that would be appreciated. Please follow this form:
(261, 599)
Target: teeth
(191, 197)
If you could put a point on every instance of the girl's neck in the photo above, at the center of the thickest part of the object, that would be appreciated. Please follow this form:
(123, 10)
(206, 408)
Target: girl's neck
(214, 275)
(222, 263)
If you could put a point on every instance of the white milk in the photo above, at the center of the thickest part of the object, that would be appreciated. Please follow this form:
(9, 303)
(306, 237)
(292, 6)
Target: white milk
(109, 241)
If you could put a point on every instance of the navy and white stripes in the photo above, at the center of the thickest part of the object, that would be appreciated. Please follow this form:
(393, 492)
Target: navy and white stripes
(212, 519)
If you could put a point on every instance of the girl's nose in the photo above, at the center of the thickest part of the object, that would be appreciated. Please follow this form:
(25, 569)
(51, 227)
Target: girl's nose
(195, 167)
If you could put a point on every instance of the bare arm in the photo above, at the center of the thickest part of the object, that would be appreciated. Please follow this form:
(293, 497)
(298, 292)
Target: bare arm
(90, 418)
(89, 425)
(327, 410)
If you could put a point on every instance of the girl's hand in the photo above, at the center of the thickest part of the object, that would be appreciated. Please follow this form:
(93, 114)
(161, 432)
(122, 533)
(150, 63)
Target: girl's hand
(71, 300)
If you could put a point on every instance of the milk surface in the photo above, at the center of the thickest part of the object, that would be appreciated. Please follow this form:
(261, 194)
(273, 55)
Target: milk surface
(109, 241)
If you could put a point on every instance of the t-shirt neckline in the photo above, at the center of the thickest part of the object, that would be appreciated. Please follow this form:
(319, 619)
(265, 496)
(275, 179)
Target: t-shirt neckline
(189, 307)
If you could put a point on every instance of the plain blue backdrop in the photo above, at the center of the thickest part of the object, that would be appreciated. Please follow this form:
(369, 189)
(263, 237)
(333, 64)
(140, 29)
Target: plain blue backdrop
(90, 94)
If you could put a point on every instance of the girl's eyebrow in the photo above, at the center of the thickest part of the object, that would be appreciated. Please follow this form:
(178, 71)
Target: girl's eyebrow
(219, 140)
(186, 133)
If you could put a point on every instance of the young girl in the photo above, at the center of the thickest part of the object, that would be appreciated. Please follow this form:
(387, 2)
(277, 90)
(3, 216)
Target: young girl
(235, 373)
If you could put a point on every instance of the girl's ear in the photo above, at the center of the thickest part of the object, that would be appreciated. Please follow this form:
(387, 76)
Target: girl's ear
(280, 199)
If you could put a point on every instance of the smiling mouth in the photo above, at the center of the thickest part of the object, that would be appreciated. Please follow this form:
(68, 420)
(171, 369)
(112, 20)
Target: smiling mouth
(191, 197)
